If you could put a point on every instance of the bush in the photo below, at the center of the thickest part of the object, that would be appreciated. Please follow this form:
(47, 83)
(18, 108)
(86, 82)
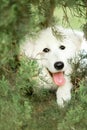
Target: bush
(15, 108)
(76, 116)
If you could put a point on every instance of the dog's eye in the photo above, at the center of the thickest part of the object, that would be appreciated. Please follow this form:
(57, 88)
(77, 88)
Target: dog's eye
(46, 50)
(62, 47)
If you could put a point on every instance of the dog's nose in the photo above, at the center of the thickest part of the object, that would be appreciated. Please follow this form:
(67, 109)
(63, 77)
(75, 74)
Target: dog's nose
(59, 65)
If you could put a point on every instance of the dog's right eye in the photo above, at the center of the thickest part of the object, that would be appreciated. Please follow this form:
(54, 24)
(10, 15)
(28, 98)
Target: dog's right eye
(46, 50)
(62, 47)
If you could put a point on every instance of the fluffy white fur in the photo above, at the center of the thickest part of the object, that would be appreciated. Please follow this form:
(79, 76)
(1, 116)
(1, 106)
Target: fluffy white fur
(73, 42)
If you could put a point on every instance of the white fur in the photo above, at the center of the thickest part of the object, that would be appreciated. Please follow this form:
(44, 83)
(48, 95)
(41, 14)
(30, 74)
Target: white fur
(73, 42)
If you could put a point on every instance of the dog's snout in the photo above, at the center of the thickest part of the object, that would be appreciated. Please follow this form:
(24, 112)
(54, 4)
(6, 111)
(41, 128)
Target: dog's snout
(59, 65)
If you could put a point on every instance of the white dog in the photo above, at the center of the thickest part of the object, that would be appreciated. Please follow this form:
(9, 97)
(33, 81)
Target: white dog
(53, 49)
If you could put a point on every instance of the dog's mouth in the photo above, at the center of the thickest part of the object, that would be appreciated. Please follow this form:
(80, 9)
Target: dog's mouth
(58, 78)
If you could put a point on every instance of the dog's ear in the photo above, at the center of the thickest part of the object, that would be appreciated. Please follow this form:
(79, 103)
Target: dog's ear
(78, 39)
(27, 49)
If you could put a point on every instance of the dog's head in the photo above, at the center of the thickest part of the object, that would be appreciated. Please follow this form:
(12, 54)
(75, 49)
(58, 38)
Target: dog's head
(53, 51)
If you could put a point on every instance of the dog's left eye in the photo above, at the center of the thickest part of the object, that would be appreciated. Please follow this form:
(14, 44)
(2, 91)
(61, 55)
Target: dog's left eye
(46, 50)
(62, 47)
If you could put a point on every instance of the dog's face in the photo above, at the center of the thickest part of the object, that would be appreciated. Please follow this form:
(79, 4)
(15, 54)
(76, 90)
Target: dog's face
(54, 54)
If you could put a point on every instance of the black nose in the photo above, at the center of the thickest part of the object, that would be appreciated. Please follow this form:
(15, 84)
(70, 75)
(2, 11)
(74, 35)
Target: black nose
(59, 65)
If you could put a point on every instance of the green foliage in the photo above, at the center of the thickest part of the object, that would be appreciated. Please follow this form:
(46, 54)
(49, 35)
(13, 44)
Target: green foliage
(14, 109)
(76, 116)
(26, 76)
(79, 66)
(85, 30)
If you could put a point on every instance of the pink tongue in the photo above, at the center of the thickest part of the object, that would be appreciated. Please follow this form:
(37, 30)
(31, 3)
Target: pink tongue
(59, 78)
